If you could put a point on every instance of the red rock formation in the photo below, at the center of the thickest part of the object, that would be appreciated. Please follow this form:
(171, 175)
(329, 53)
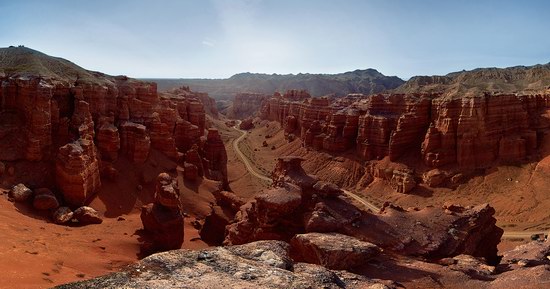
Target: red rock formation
(161, 137)
(298, 203)
(77, 171)
(332, 250)
(471, 131)
(246, 124)
(246, 104)
(74, 112)
(135, 141)
(108, 141)
(163, 219)
(215, 157)
(186, 135)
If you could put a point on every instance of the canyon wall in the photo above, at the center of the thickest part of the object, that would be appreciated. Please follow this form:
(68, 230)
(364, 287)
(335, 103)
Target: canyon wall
(471, 131)
(84, 124)
(246, 104)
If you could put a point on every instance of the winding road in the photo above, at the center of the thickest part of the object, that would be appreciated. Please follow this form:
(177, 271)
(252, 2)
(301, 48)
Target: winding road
(249, 166)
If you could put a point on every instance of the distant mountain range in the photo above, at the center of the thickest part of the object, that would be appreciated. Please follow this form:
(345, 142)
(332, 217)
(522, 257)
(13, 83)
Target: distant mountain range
(366, 81)
(517, 79)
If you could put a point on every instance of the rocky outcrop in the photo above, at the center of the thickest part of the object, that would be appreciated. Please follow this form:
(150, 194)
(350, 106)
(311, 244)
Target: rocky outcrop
(77, 171)
(214, 157)
(264, 264)
(299, 203)
(246, 124)
(402, 181)
(332, 250)
(163, 219)
(135, 141)
(108, 142)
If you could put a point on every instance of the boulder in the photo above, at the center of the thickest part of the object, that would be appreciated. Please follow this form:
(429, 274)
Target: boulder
(44, 199)
(434, 178)
(332, 250)
(403, 181)
(62, 215)
(528, 255)
(327, 189)
(246, 124)
(20, 193)
(86, 215)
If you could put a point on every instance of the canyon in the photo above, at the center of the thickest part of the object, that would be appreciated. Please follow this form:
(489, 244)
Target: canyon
(280, 189)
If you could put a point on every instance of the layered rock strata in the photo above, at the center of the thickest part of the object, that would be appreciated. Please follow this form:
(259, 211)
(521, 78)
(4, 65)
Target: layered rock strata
(79, 118)
(471, 131)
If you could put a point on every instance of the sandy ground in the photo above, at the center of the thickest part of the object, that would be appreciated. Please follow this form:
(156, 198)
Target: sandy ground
(36, 253)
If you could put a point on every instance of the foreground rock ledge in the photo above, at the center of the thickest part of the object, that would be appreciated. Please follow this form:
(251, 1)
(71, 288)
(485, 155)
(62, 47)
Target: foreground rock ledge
(254, 265)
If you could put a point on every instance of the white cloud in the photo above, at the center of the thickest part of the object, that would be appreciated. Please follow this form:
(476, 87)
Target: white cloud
(208, 42)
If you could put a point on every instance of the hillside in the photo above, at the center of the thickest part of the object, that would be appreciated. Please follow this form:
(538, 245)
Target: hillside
(517, 79)
(25, 61)
(359, 81)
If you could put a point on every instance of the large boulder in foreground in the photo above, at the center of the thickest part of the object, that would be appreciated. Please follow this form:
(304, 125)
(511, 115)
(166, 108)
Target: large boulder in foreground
(332, 250)
(255, 265)
(20, 193)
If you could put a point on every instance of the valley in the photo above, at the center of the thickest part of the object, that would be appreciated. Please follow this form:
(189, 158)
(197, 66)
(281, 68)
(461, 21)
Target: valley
(112, 181)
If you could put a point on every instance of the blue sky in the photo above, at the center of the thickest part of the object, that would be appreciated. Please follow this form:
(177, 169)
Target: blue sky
(218, 38)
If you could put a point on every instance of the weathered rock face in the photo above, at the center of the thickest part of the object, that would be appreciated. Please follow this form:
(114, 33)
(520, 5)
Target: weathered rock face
(163, 219)
(246, 124)
(264, 264)
(246, 105)
(20, 193)
(51, 116)
(476, 131)
(77, 171)
(215, 157)
(471, 131)
(333, 251)
(108, 142)
(299, 203)
(403, 181)
(87, 215)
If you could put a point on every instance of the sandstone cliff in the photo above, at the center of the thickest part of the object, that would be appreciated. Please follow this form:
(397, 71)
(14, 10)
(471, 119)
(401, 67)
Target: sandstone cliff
(469, 132)
(57, 110)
